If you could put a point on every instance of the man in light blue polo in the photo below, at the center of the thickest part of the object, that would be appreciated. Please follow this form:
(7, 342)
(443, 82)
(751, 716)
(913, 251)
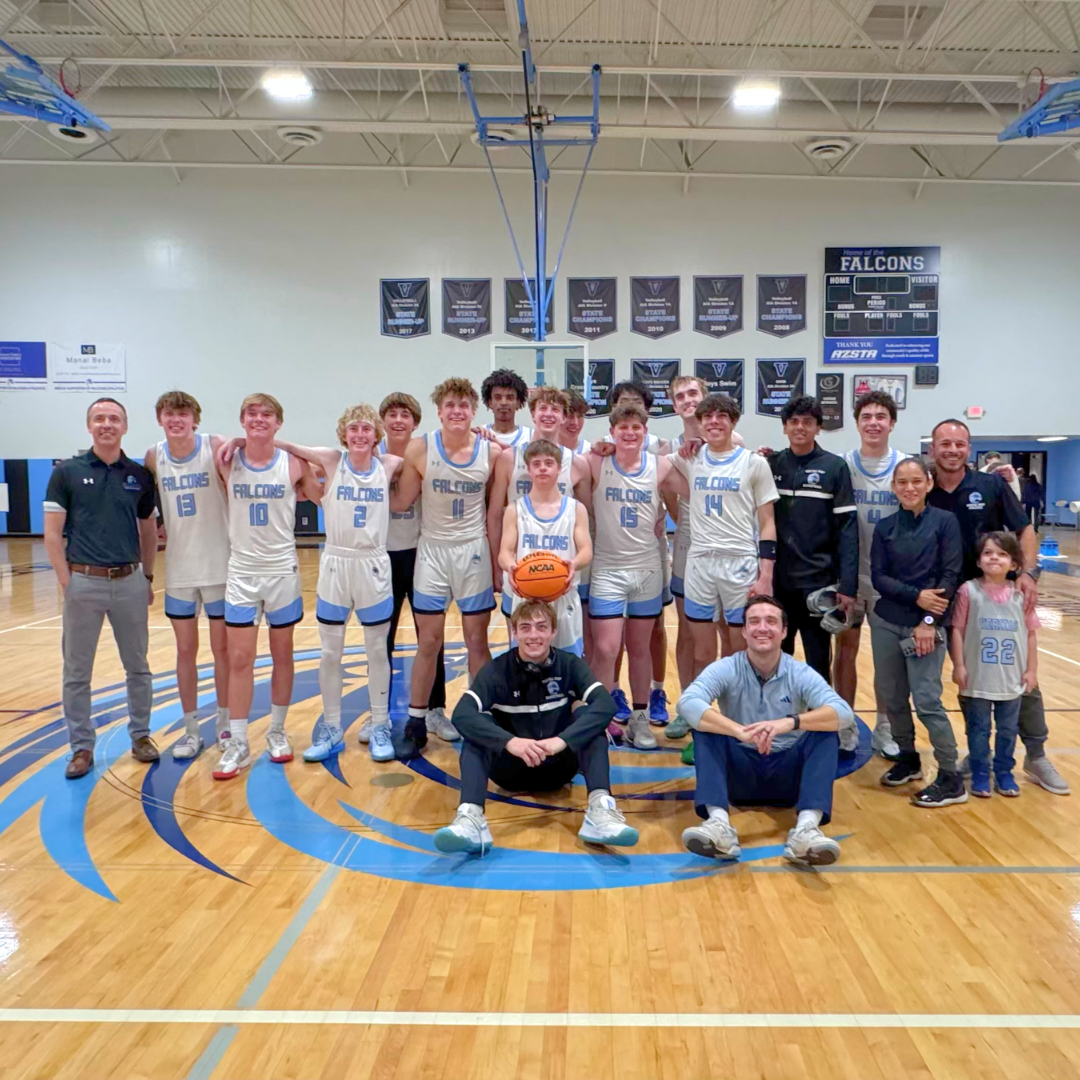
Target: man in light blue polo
(765, 734)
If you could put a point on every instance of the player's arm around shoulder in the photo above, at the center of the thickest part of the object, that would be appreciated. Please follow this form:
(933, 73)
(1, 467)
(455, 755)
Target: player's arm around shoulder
(670, 478)
(392, 465)
(304, 479)
(410, 478)
(582, 540)
(150, 460)
(326, 457)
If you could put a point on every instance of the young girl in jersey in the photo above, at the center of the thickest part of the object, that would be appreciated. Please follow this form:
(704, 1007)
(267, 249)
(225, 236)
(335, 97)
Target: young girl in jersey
(993, 648)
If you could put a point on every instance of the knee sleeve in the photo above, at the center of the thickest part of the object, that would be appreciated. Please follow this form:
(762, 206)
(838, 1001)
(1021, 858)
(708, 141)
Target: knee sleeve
(378, 671)
(330, 674)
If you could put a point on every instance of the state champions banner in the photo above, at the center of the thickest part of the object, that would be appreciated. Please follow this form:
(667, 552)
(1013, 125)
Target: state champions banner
(781, 304)
(722, 377)
(520, 320)
(404, 307)
(656, 376)
(654, 306)
(466, 307)
(591, 307)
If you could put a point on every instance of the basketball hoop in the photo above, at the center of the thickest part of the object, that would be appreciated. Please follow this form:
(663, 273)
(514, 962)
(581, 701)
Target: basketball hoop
(70, 77)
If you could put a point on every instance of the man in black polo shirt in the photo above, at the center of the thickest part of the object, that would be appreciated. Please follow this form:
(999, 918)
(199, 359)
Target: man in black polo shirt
(102, 504)
(982, 503)
(817, 530)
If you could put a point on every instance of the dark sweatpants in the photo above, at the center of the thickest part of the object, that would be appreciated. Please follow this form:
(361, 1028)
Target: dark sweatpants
(816, 641)
(731, 772)
(402, 566)
(1033, 731)
(478, 765)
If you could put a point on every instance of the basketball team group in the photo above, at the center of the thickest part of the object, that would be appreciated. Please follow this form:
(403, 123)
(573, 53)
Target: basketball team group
(769, 545)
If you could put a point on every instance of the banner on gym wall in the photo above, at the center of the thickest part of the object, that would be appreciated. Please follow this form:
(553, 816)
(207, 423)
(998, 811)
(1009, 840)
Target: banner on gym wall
(830, 393)
(602, 374)
(718, 305)
(404, 305)
(722, 377)
(23, 366)
(88, 369)
(781, 304)
(881, 305)
(654, 306)
(656, 376)
(777, 382)
(591, 311)
(466, 307)
(520, 320)
(893, 385)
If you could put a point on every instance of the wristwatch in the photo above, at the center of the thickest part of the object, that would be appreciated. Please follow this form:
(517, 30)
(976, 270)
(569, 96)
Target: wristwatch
(1034, 573)
(928, 619)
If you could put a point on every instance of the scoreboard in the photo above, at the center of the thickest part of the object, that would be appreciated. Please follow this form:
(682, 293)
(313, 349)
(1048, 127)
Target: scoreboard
(882, 305)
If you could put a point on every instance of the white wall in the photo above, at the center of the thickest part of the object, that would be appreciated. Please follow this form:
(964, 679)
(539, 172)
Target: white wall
(233, 282)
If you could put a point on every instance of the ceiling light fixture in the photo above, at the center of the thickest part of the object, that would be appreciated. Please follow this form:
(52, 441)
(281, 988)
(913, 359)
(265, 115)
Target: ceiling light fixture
(1052, 438)
(756, 94)
(287, 85)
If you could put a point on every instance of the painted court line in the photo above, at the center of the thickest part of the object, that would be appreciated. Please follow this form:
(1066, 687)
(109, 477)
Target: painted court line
(236, 1017)
(1058, 656)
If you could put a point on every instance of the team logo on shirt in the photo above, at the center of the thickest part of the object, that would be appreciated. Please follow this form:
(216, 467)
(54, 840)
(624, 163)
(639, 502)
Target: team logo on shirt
(131, 484)
(87, 479)
(814, 478)
(975, 501)
(554, 687)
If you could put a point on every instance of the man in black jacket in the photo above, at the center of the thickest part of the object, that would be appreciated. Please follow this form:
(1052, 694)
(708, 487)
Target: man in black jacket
(533, 718)
(817, 530)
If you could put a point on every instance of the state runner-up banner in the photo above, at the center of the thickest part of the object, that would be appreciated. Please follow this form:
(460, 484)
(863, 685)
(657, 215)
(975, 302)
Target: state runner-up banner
(654, 306)
(520, 320)
(88, 369)
(23, 366)
(466, 307)
(722, 377)
(590, 303)
(718, 305)
(656, 376)
(602, 376)
(405, 307)
(781, 304)
(830, 395)
(778, 381)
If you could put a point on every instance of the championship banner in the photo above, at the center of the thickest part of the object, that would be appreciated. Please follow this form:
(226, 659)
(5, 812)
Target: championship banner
(602, 373)
(830, 394)
(466, 307)
(520, 320)
(778, 381)
(882, 305)
(591, 311)
(722, 377)
(654, 306)
(781, 304)
(656, 376)
(405, 307)
(893, 385)
(718, 305)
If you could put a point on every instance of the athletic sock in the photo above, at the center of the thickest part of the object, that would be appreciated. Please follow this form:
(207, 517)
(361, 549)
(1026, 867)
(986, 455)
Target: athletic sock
(657, 685)
(221, 722)
(640, 706)
(719, 815)
(238, 730)
(808, 817)
(416, 713)
(191, 724)
(277, 717)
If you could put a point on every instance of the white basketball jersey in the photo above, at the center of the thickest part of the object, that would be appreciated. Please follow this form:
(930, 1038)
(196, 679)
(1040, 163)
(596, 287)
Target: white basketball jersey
(455, 496)
(583, 446)
(521, 485)
(520, 436)
(404, 529)
(356, 507)
(196, 517)
(682, 526)
(626, 507)
(651, 445)
(554, 534)
(262, 518)
(726, 491)
(871, 479)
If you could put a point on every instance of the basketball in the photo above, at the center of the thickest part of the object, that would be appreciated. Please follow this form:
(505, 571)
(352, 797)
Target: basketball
(540, 577)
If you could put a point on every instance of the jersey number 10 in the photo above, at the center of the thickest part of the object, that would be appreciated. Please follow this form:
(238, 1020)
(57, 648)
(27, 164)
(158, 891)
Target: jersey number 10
(258, 514)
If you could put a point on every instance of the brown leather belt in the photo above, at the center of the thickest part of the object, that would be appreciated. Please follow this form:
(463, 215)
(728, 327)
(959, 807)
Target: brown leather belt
(103, 571)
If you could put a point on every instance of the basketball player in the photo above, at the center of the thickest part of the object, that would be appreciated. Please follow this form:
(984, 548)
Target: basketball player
(504, 392)
(546, 519)
(354, 573)
(400, 414)
(626, 590)
(193, 507)
(570, 436)
(732, 550)
(871, 468)
(262, 483)
(453, 468)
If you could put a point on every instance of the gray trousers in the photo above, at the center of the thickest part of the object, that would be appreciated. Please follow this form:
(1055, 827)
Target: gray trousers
(87, 601)
(900, 680)
(1033, 730)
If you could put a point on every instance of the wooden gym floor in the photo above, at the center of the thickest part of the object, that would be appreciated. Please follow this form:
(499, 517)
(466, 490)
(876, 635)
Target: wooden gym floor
(297, 923)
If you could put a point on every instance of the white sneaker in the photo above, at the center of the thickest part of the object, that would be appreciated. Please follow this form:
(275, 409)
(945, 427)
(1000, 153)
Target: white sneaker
(883, 742)
(809, 846)
(234, 757)
(849, 738)
(277, 742)
(187, 747)
(468, 832)
(638, 733)
(437, 724)
(712, 839)
(605, 824)
(364, 735)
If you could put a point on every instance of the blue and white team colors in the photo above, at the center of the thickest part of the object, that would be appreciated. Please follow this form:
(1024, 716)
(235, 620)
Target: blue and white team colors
(520, 436)
(555, 536)
(264, 576)
(875, 500)
(403, 533)
(354, 569)
(521, 485)
(453, 560)
(726, 492)
(197, 522)
(627, 578)
(680, 544)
